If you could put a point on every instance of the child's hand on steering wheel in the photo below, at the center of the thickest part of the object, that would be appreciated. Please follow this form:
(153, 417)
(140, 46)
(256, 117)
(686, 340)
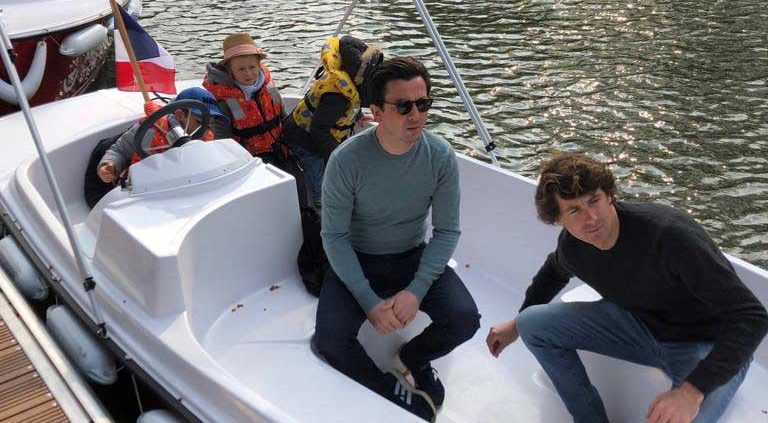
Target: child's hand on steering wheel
(106, 172)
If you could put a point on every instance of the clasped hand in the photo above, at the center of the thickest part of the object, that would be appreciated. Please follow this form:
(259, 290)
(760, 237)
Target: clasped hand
(394, 313)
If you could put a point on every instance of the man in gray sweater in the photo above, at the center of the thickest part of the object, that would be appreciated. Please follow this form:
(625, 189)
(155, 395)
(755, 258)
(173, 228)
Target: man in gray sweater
(378, 188)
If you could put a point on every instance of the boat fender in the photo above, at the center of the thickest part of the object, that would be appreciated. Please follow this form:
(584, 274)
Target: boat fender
(79, 42)
(80, 345)
(21, 271)
(133, 8)
(31, 81)
(158, 416)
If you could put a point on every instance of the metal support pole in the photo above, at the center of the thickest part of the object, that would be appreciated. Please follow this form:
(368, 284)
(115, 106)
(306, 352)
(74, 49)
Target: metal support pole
(336, 33)
(85, 274)
(482, 130)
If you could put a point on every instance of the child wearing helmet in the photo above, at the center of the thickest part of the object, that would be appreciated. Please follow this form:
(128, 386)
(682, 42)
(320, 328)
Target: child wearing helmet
(123, 152)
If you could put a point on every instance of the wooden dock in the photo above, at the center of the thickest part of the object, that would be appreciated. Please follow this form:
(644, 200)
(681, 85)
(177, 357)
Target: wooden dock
(24, 396)
(37, 382)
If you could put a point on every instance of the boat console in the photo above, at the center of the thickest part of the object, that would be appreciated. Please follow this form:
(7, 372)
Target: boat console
(155, 240)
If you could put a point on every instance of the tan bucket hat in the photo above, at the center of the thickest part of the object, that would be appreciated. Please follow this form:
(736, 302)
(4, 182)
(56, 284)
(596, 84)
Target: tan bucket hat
(240, 44)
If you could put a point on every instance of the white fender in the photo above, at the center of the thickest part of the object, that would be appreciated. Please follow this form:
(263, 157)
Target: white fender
(78, 43)
(32, 81)
(21, 272)
(157, 416)
(80, 345)
(133, 7)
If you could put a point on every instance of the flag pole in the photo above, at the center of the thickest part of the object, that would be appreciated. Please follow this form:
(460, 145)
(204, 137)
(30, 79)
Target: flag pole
(129, 48)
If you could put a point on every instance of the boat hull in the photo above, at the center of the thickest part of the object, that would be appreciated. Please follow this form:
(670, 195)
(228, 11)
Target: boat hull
(63, 76)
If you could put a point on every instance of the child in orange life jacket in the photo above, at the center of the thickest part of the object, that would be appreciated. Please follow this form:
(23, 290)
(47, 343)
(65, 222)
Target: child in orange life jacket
(123, 152)
(247, 95)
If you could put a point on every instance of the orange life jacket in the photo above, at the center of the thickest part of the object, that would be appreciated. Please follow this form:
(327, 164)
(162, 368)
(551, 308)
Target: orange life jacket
(256, 121)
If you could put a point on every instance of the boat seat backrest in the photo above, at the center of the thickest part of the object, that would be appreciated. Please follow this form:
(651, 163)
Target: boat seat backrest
(241, 248)
(69, 163)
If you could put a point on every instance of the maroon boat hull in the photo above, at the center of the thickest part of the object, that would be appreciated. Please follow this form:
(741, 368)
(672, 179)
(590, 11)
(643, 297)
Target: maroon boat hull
(64, 76)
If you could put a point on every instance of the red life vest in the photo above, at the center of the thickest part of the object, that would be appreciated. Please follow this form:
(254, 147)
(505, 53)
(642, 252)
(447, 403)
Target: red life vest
(256, 121)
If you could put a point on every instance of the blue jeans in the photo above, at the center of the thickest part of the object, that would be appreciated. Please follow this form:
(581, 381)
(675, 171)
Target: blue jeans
(553, 332)
(448, 303)
(314, 167)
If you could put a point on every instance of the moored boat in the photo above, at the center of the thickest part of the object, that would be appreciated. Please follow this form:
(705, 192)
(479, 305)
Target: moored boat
(61, 46)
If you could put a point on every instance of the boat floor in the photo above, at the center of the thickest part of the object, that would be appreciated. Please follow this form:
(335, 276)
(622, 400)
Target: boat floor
(479, 387)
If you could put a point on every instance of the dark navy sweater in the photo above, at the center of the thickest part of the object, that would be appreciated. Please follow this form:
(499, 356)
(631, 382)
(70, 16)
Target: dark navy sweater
(668, 273)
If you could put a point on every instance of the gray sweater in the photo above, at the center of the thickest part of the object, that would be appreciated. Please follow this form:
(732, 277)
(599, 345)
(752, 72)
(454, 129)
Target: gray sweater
(377, 203)
(123, 149)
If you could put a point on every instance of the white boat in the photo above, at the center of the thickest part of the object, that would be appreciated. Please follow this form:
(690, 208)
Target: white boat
(198, 288)
(196, 279)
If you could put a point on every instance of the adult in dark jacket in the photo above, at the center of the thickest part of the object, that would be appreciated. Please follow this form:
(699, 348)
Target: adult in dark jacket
(671, 299)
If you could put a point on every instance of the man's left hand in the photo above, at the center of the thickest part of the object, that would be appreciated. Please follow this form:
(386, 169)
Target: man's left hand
(406, 306)
(679, 405)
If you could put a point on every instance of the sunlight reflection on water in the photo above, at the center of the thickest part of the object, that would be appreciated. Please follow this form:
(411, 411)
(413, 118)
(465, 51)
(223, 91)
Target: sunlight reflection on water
(673, 94)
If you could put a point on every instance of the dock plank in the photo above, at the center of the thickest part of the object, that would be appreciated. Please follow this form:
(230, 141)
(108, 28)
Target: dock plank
(24, 396)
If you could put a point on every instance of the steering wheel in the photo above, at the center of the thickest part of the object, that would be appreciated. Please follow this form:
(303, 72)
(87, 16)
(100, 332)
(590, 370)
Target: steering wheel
(144, 149)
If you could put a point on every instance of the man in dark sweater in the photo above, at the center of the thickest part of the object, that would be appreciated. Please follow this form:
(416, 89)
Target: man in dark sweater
(671, 299)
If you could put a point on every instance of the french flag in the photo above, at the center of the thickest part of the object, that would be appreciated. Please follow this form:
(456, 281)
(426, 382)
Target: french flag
(156, 65)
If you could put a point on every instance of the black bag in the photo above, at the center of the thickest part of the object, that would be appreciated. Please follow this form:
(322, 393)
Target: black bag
(312, 260)
(93, 187)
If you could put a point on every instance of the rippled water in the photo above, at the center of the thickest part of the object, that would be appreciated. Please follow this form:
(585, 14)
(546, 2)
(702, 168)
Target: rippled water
(673, 93)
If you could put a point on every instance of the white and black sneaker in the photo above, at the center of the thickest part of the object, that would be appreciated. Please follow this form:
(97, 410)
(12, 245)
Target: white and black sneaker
(406, 396)
(423, 378)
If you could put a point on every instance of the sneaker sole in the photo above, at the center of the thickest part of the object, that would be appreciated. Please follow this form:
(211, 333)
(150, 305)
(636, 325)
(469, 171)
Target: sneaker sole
(419, 392)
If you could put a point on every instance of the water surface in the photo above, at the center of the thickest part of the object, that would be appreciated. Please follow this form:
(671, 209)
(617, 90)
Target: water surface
(674, 94)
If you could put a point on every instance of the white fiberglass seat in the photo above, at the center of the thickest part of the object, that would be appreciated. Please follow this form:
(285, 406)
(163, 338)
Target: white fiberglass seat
(203, 226)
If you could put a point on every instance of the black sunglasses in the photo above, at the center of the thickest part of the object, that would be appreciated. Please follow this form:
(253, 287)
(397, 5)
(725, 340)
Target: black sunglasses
(404, 107)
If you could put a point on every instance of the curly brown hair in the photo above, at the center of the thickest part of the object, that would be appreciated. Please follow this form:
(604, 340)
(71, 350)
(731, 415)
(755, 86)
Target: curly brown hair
(569, 176)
